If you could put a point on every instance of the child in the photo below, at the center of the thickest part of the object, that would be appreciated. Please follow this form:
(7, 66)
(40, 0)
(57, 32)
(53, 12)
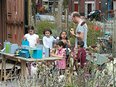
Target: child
(33, 41)
(31, 37)
(53, 50)
(63, 37)
(48, 38)
(81, 54)
(60, 52)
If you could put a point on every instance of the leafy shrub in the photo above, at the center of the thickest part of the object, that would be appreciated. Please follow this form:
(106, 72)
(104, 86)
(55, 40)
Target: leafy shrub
(92, 34)
(41, 25)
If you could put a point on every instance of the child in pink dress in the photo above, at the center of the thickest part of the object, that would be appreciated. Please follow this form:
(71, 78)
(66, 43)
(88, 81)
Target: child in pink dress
(61, 53)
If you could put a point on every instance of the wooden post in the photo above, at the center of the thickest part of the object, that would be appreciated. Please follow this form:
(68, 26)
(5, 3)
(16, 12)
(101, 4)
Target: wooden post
(114, 38)
(29, 12)
(59, 16)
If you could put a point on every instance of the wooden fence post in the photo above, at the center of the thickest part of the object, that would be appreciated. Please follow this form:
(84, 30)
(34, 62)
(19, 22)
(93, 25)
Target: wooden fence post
(114, 38)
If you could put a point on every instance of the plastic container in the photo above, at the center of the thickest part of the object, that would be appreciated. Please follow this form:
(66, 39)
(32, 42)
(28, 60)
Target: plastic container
(47, 52)
(37, 54)
(44, 53)
(24, 53)
(13, 49)
(7, 46)
(39, 46)
(25, 42)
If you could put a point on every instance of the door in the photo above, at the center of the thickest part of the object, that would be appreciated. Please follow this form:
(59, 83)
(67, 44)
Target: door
(89, 8)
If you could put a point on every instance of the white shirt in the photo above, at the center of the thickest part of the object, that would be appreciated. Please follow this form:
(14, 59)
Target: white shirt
(32, 39)
(48, 41)
(83, 29)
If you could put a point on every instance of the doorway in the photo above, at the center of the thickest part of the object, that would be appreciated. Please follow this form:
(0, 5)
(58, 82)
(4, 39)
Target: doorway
(89, 8)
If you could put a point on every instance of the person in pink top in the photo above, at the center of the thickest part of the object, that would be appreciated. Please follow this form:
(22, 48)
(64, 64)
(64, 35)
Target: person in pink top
(61, 53)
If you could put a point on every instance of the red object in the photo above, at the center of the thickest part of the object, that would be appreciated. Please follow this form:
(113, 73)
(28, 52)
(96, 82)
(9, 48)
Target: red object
(76, 7)
(97, 28)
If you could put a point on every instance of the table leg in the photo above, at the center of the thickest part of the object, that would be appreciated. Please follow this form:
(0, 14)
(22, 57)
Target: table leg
(1, 70)
(23, 69)
(4, 67)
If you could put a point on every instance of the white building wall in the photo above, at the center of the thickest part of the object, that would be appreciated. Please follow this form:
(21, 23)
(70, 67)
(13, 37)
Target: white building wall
(86, 6)
(93, 6)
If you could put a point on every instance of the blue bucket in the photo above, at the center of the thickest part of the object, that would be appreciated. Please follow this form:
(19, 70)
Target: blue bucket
(25, 42)
(37, 54)
(24, 53)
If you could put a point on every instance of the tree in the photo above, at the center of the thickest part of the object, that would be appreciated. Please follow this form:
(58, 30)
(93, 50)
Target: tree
(59, 15)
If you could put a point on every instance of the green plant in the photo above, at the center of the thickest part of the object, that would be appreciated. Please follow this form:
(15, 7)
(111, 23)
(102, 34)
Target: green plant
(41, 25)
(92, 34)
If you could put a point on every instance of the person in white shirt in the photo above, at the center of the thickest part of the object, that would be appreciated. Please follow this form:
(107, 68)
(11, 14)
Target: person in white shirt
(31, 37)
(33, 41)
(81, 30)
(48, 39)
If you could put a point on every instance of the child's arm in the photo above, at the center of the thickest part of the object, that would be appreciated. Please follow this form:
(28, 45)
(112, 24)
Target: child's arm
(68, 43)
(54, 55)
(60, 56)
(25, 37)
(37, 39)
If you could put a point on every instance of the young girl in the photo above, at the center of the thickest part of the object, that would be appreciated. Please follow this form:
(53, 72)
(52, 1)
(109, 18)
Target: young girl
(48, 38)
(53, 50)
(33, 41)
(60, 52)
(31, 37)
(63, 37)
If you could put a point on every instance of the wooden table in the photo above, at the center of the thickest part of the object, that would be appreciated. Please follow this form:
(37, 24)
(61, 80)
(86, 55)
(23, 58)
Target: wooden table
(22, 60)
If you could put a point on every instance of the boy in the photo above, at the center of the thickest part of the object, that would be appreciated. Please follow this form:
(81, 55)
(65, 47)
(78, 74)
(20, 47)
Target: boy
(80, 57)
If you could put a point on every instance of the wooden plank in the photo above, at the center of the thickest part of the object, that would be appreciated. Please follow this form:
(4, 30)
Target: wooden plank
(12, 20)
(16, 24)
(17, 58)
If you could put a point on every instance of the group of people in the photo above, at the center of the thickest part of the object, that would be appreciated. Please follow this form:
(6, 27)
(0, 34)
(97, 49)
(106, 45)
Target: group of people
(61, 47)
